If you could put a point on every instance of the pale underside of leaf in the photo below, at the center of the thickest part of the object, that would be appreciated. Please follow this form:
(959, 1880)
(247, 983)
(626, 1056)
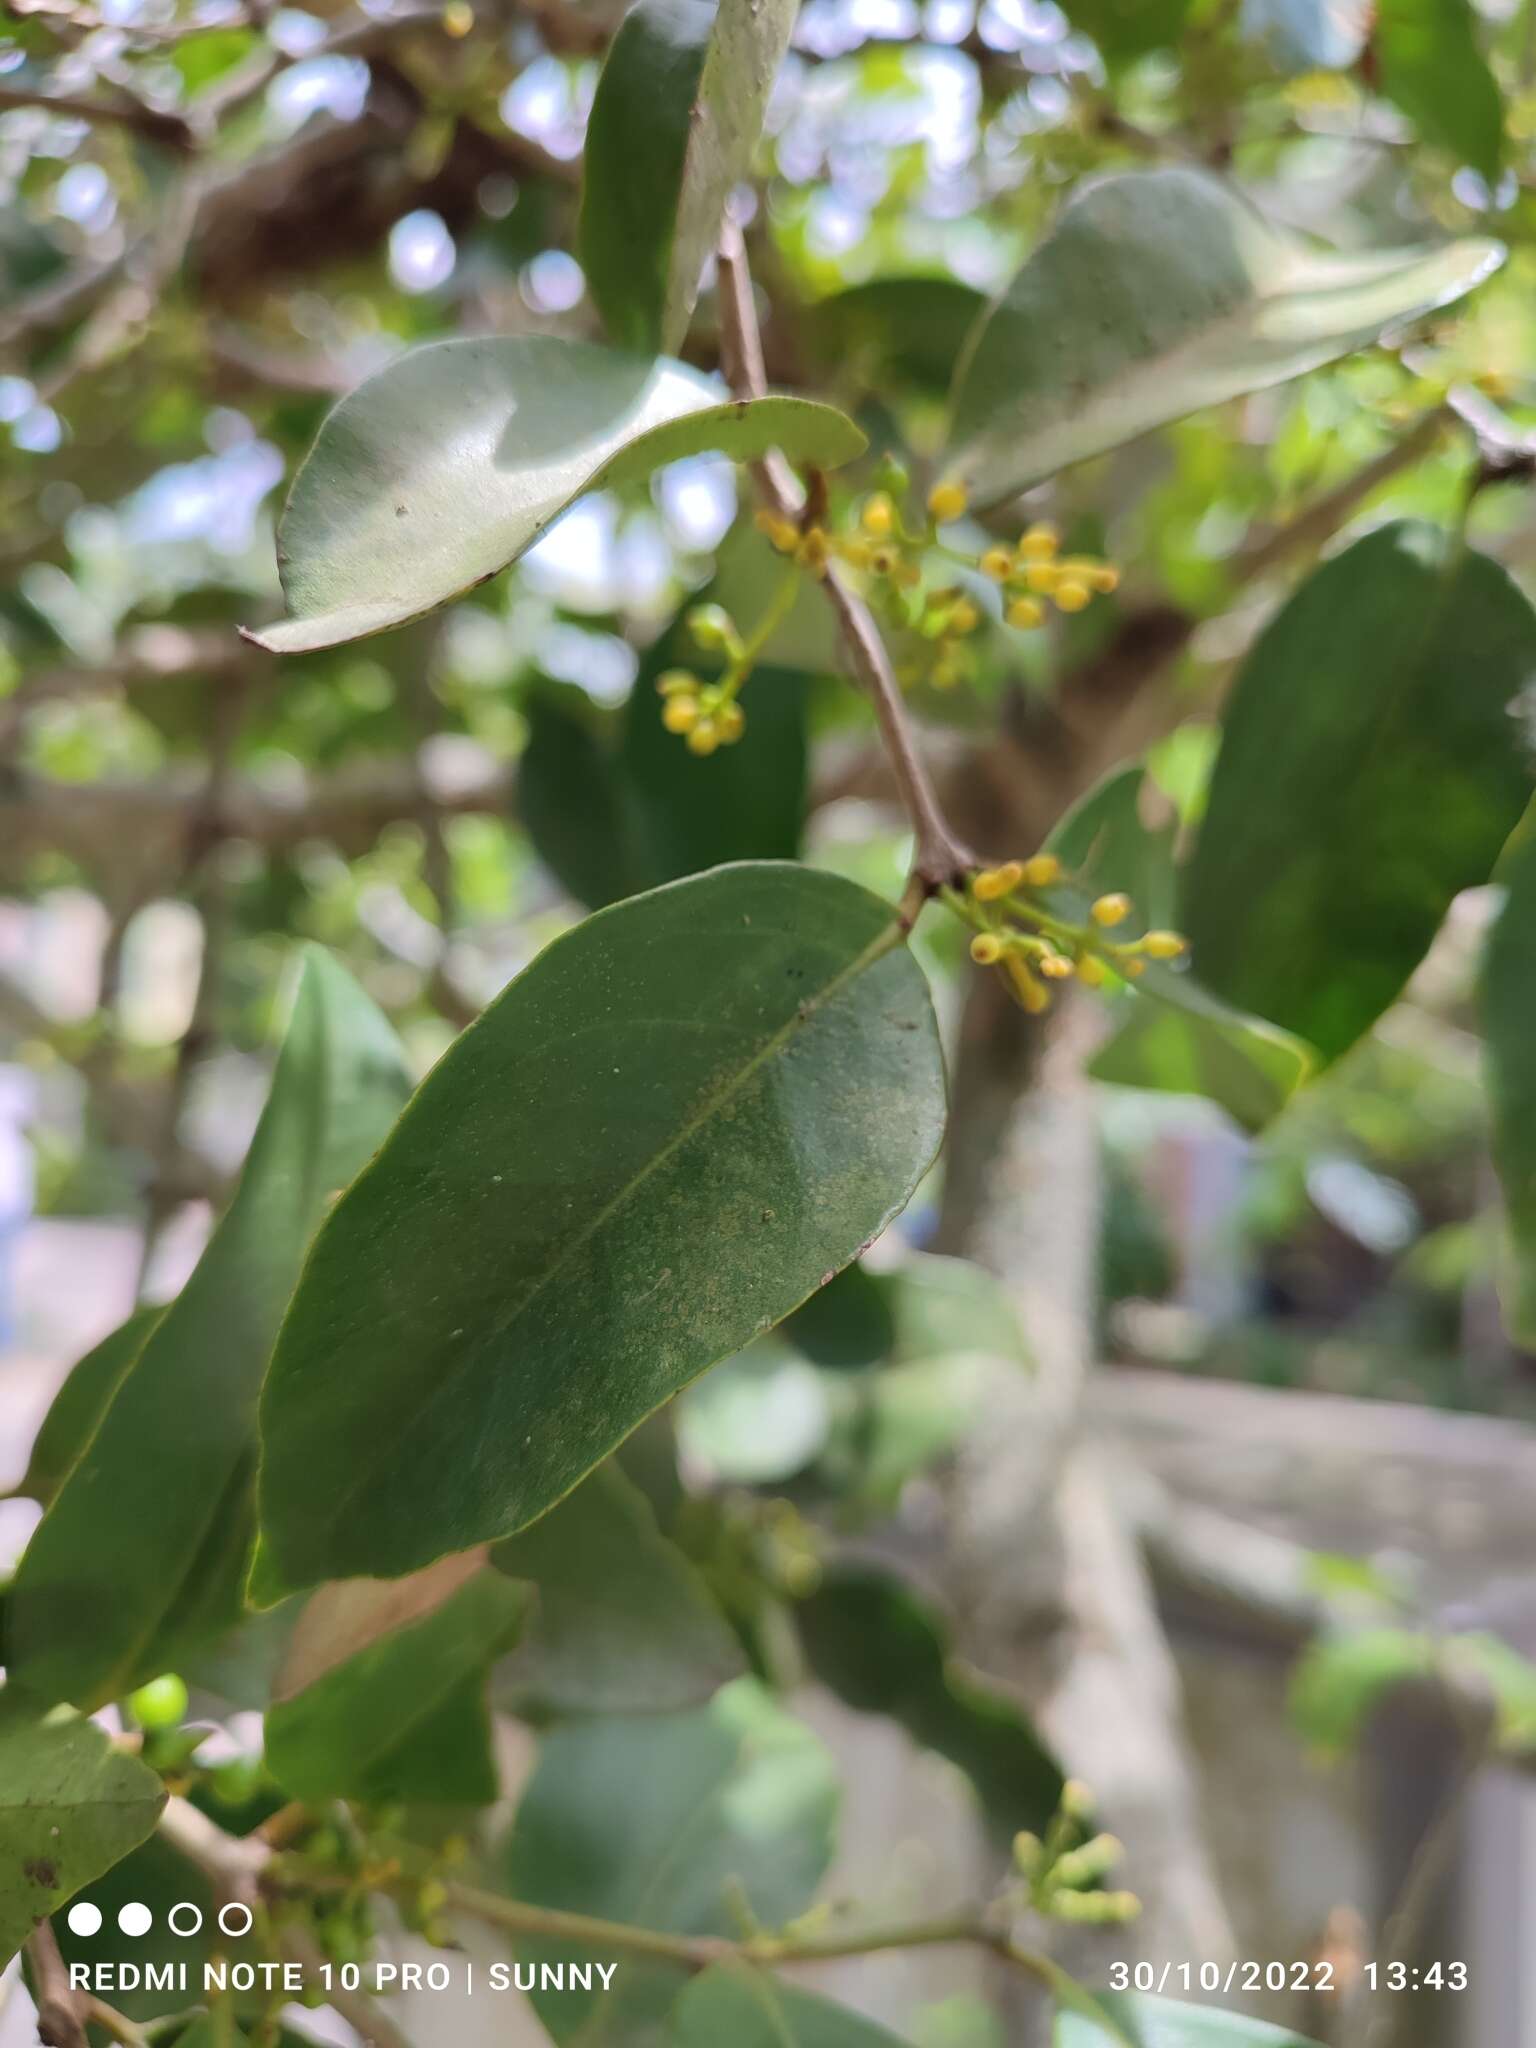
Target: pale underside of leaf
(440, 471)
(1159, 293)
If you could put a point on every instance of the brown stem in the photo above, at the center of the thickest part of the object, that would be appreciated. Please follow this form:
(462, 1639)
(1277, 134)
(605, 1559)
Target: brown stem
(939, 858)
(60, 2017)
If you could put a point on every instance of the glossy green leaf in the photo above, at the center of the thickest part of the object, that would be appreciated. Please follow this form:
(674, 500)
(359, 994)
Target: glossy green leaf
(80, 1404)
(1429, 62)
(671, 1821)
(750, 2009)
(622, 1622)
(674, 125)
(70, 1807)
(570, 800)
(908, 328)
(169, 1467)
(404, 1717)
(1370, 769)
(1160, 292)
(748, 1086)
(1508, 1013)
(1309, 35)
(442, 469)
(1139, 2021)
(882, 1649)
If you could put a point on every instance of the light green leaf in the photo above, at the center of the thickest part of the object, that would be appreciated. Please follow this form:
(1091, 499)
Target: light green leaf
(1370, 769)
(1508, 1011)
(80, 1404)
(1138, 2021)
(1429, 62)
(405, 1717)
(144, 1548)
(622, 1623)
(675, 121)
(748, 1086)
(441, 470)
(883, 1650)
(749, 2009)
(1342, 1677)
(670, 1821)
(1160, 292)
(70, 1807)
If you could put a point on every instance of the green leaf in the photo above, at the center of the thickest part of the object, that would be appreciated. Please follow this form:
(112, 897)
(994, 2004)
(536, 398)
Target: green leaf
(623, 1623)
(442, 469)
(674, 1822)
(1172, 1034)
(570, 799)
(1428, 62)
(749, 2009)
(70, 1807)
(404, 1717)
(144, 1549)
(1340, 1679)
(910, 329)
(675, 122)
(850, 1321)
(747, 1086)
(1369, 770)
(1158, 293)
(1138, 2021)
(1508, 1007)
(882, 1649)
(80, 1404)
(1309, 35)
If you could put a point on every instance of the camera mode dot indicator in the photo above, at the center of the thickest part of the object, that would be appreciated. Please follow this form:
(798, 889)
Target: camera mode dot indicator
(134, 1919)
(84, 1918)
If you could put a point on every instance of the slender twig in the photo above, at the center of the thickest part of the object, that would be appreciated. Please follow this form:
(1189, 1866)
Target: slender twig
(115, 2024)
(155, 125)
(940, 858)
(60, 2017)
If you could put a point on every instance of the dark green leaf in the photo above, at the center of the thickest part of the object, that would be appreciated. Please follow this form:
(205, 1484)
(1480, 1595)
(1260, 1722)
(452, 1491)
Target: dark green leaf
(850, 1321)
(749, 2009)
(143, 1551)
(70, 1807)
(1138, 2021)
(623, 1623)
(1428, 61)
(747, 1086)
(1160, 292)
(1509, 1033)
(882, 1650)
(670, 1821)
(1369, 770)
(442, 469)
(908, 328)
(404, 1717)
(1127, 29)
(570, 800)
(675, 121)
(80, 1404)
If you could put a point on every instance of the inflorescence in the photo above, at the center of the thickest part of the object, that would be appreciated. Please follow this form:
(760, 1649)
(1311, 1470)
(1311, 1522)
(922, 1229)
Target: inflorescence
(1032, 944)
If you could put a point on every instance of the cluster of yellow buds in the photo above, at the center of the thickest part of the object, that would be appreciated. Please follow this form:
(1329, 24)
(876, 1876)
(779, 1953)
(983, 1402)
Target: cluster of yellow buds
(1031, 945)
(706, 714)
(1036, 572)
(1062, 1874)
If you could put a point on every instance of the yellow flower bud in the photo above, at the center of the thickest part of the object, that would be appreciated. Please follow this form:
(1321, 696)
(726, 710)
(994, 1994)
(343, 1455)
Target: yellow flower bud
(680, 714)
(1029, 992)
(458, 19)
(964, 617)
(1104, 577)
(882, 561)
(1042, 577)
(783, 533)
(947, 502)
(1056, 967)
(1039, 542)
(1041, 869)
(711, 626)
(1027, 1851)
(986, 949)
(1090, 971)
(991, 883)
(998, 564)
(1133, 970)
(1164, 945)
(878, 517)
(1077, 1801)
(813, 551)
(732, 721)
(1111, 910)
(856, 553)
(1072, 594)
(704, 737)
(677, 682)
(1025, 612)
